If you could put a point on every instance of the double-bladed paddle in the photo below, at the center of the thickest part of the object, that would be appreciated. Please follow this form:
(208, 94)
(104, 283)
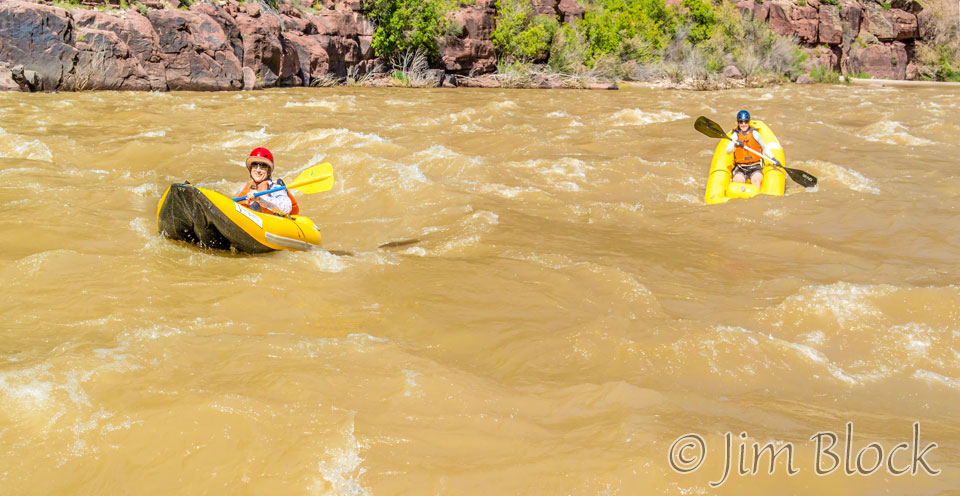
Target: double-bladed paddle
(313, 180)
(713, 130)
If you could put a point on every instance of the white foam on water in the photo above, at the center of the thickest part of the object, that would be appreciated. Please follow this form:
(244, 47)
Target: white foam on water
(891, 132)
(816, 356)
(30, 265)
(22, 387)
(322, 260)
(567, 186)
(505, 191)
(146, 229)
(504, 105)
(848, 177)
(465, 116)
(415, 251)
(683, 198)
(846, 302)
(566, 167)
(246, 139)
(411, 389)
(398, 175)
(147, 134)
(640, 117)
(358, 337)
(766, 96)
(486, 217)
(935, 378)
(18, 146)
(341, 469)
(339, 137)
(775, 213)
(327, 104)
(439, 152)
(468, 231)
(146, 190)
(808, 353)
(557, 114)
(815, 338)
(19, 171)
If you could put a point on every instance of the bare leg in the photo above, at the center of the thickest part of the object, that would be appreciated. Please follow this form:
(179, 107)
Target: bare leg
(756, 178)
(739, 178)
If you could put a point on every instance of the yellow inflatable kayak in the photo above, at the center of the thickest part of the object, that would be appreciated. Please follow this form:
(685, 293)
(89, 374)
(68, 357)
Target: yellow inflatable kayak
(211, 220)
(719, 186)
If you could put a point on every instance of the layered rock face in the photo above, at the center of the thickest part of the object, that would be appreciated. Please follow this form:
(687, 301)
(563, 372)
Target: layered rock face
(219, 45)
(213, 46)
(226, 45)
(851, 37)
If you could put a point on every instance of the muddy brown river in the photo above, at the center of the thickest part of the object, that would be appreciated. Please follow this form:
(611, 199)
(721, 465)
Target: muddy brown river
(572, 319)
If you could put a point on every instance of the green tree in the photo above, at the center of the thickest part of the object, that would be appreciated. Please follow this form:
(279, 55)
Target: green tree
(619, 26)
(407, 25)
(520, 33)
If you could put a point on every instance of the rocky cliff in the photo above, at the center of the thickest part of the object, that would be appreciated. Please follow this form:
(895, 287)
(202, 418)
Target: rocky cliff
(848, 36)
(227, 45)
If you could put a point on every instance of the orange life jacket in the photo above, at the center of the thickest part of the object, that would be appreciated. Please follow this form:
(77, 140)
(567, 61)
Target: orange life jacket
(740, 154)
(263, 186)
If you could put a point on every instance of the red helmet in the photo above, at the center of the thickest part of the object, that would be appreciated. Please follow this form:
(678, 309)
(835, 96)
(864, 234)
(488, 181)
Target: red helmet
(260, 155)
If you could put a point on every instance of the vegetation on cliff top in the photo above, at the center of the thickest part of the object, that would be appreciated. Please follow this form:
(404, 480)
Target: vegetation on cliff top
(637, 40)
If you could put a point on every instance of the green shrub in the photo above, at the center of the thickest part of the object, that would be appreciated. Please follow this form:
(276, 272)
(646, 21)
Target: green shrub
(703, 20)
(938, 53)
(520, 33)
(628, 29)
(568, 50)
(821, 74)
(400, 78)
(404, 25)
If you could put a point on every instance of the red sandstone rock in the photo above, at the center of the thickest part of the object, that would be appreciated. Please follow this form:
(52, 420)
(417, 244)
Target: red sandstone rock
(907, 25)
(262, 50)
(852, 16)
(479, 82)
(40, 38)
(477, 22)
(821, 56)
(805, 21)
(831, 30)
(464, 55)
(6, 78)
(878, 24)
(195, 52)
(545, 7)
(779, 18)
(570, 11)
(882, 61)
(313, 59)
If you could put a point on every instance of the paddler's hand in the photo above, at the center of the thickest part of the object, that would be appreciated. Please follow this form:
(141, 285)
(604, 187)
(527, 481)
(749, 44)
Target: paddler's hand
(738, 144)
(251, 194)
(775, 161)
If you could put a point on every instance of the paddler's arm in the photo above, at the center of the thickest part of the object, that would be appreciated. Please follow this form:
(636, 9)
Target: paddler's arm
(278, 201)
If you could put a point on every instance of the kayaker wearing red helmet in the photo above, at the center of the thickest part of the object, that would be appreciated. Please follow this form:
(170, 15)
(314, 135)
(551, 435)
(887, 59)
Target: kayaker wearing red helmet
(260, 166)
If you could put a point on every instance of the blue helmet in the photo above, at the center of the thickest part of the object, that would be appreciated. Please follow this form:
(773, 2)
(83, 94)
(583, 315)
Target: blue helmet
(743, 115)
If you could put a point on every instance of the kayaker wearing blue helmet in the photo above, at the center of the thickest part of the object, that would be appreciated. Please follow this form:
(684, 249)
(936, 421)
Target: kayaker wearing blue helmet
(746, 163)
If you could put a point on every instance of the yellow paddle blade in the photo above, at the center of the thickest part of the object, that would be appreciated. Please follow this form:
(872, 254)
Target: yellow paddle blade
(314, 180)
